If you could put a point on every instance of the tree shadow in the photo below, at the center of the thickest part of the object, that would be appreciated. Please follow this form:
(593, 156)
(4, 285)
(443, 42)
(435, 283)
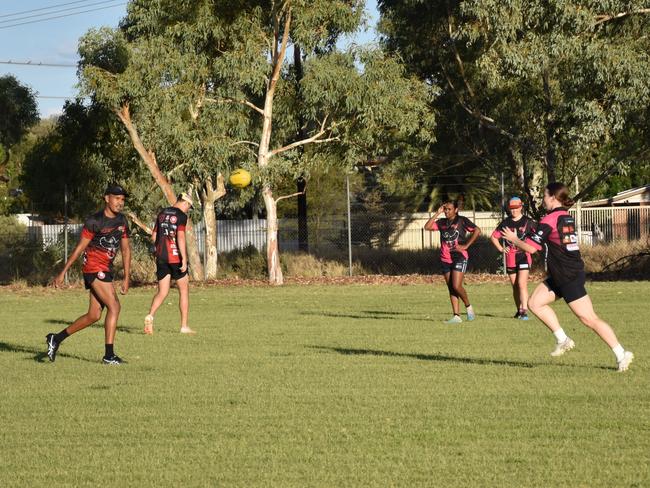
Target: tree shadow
(365, 315)
(37, 355)
(426, 357)
(452, 359)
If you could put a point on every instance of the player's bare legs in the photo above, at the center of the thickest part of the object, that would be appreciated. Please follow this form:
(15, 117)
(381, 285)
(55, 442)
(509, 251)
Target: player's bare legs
(515, 289)
(158, 299)
(455, 305)
(184, 303)
(105, 293)
(539, 304)
(584, 310)
(93, 314)
(522, 289)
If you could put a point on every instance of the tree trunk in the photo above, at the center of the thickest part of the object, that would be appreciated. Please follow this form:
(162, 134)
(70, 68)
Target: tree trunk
(549, 129)
(209, 195)
(272, 249)
(149, 158)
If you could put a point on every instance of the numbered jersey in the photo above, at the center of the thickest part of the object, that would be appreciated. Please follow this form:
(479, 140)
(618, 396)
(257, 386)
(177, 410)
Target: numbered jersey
(557, 231)
(105, 234)
(169, 223)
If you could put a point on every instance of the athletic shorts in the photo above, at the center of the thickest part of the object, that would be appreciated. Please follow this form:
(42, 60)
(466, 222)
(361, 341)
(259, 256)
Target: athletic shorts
(105, 276)
(459, 264)
(571, 291)
(174, 269)
(521, 263)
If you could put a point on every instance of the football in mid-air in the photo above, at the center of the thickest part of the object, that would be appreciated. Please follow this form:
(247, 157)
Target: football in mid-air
(240, 178)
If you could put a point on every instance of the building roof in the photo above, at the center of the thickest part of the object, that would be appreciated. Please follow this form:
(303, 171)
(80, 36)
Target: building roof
(633, 196)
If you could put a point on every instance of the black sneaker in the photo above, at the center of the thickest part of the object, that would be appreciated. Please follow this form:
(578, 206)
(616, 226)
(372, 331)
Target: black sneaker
(115, 360)
(52, 346)
(517, 315)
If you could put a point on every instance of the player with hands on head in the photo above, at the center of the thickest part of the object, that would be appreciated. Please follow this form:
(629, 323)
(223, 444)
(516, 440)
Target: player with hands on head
(518, 262)
(102, 235)
(566, 275)
(171, 260)
(457, 234)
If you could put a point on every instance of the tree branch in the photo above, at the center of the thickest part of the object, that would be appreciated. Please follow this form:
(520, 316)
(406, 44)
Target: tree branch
(234, 100)
(134, 218)
(292, 195)
(601, 19)
(313, 139)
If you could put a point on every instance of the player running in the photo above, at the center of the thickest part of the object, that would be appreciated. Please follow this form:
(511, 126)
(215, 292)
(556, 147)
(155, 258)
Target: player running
(518, 262)
(102, 234)
(457, 234)
(171, 260)
(566, 275)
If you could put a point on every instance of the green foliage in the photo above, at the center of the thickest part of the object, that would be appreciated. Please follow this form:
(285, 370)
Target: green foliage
(18, 109)
(84, 151)
(532, 86)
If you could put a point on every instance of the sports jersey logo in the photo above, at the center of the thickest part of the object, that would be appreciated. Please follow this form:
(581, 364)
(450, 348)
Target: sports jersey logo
(109, 243)
(173, 219)
(101, 275)
(450, 236)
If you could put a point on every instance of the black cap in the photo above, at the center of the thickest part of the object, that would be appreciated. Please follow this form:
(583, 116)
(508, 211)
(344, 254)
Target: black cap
(115, 190)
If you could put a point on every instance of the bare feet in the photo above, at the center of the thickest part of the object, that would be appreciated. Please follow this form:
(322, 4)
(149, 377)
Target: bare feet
(148, 325)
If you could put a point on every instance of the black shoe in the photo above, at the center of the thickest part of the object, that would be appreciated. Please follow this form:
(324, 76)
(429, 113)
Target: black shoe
(52, 346)
(517, 315)
(115, 360)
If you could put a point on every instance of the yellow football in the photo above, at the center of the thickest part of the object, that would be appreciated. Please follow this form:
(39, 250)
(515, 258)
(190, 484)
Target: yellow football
(240, 178)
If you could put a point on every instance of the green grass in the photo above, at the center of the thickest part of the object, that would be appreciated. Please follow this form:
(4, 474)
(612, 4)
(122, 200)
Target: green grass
(324, 386)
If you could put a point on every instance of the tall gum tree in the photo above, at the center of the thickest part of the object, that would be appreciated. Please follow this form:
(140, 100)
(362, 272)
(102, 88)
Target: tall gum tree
(210, 84)
(544, 89)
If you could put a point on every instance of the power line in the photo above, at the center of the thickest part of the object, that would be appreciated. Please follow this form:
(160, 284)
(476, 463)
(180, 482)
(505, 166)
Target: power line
(43, 8)
(103, 2)
(61, 16)
(39, 64)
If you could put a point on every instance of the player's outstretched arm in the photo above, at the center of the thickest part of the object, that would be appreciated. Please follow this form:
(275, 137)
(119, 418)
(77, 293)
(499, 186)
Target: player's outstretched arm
(125, 247)
(78, 251)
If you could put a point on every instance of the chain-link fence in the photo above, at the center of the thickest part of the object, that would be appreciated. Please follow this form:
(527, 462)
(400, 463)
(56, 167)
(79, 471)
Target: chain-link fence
(364, 242)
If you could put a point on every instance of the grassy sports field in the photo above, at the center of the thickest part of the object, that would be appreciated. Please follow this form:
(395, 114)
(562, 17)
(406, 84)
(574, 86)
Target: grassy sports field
(324, 386)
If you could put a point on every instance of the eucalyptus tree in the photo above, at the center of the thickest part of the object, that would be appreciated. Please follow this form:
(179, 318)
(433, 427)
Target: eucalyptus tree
(546, 87)
(207, 84)
(18, 112)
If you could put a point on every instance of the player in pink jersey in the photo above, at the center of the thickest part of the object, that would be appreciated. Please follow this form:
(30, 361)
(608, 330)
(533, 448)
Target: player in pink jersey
(457, 234)
(566, 275)
(518, 262)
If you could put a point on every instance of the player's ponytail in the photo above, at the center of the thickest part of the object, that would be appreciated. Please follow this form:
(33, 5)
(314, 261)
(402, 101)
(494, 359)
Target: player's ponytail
(561, 193)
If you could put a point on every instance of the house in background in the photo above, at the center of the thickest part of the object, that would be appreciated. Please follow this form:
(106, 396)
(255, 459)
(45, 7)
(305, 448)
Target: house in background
(626, 216)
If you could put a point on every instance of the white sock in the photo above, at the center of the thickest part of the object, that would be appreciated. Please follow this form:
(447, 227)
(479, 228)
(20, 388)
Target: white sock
(560, 336)
(619, 352)
(469, 308)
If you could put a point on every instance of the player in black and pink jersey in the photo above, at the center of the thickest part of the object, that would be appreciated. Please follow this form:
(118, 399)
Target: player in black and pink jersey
(102, 235)
(457, 234)
(566, 275)
(518, 262)
(171, 260)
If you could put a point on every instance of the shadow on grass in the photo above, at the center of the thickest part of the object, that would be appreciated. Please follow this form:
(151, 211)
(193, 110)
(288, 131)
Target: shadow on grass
(369, 315)
(38, 356)
(452, 359)
(425, 357)
(96, 325)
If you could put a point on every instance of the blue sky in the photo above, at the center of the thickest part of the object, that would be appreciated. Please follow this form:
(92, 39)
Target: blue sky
(54, 41)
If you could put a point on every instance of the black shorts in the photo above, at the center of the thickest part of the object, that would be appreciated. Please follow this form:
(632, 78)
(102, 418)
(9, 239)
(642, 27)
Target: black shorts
(105, 276)
(174, 269)
(571, 291)
(459, 264)
(521, 264)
